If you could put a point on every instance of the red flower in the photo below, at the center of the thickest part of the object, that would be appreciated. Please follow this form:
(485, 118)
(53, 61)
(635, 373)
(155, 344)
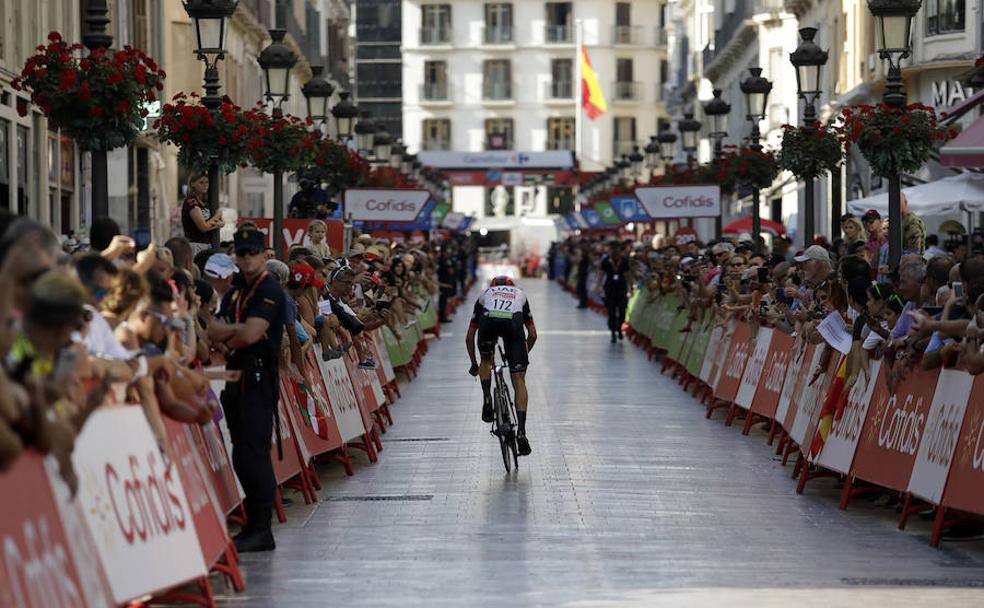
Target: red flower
(114, 77)
(55, 37)
(85, 91)
(95, 111)
(123, 107)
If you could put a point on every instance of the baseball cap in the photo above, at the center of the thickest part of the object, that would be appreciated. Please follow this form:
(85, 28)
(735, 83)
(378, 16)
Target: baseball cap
(247, 240)
(304, 274)
(814, 252)
(220, 266)
(870, 215)
(357, 250)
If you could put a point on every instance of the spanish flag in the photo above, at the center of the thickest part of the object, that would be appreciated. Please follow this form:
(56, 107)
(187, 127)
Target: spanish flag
(592, 98)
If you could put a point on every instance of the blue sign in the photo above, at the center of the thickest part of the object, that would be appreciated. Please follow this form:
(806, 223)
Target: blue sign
(467, 224)
(571, 222)
(592, 218)
(629, 209)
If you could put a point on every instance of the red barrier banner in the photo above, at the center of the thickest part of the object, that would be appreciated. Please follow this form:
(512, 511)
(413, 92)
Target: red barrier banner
(810, 359)
(798, 357)
(809, 405)
(311, 443)
(209, 524)
(212, 452)
(753, 369)
(135, 506)
(362, 385)
(295, 231)
(344, 404)
(963, 486)
(733, 364)
(39, 569)
(772, 375)
(894, 428)
(845, 432)
(939, 442)
(290, 465)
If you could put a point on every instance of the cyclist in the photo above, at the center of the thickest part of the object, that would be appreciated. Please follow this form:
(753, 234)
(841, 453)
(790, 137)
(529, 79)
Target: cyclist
(501, 312)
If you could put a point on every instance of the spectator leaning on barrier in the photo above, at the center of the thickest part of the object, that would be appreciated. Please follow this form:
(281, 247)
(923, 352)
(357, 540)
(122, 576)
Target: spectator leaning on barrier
(250, 328)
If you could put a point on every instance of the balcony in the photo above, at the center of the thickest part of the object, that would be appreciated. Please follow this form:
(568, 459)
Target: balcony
(497, 91)
(731, 25)
(627, 35)
(497, 35)
(559, 90)
(626, 91)
(558, 34)
(435, 92)
(660, 37)
(435, 36)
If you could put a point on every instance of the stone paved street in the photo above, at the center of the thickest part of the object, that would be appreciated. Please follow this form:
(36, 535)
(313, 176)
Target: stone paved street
(630, 498)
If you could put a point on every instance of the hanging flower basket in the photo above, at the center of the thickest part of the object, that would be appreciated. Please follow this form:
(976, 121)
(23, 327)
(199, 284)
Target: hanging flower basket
(746, 167)
(203, 136)
(279, 144)
(97, 99)
(337, 166)
(809, 153)
(893, 140)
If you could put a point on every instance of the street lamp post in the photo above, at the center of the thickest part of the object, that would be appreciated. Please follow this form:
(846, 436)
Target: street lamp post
(893, 29)
(718, 110)
(667, 145)
(365, 134)
(382, 144)
(210, 17)
(756, 90)
(317, 91)
(277, 60)
(636, 159)
(95, 38)
(809, 59)
(345, 114)
(652, 154)
(689, 131)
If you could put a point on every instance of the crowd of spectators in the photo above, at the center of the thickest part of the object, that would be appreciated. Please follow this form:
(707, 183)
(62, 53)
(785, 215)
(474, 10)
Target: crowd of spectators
(927, 311)
(101, 320)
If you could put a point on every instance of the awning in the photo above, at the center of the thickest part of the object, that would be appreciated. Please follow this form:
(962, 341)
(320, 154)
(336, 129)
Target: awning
(966, 149)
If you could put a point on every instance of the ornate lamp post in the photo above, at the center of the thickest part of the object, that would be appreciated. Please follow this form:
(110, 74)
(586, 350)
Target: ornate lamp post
(756, 90)
(382, 144)
(624, 168)
(397, 152)
(667, 145)
(317, 91)
(95, 37)
(652, 153)
(809, 59)
(210, 17)
(345, 114)
(365, 134)
(718, 110)
(689, 130)
(636, 159)
(277, 61)
(893, 30)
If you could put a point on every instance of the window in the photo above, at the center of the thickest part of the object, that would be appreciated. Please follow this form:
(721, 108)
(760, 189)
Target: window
(625, 87)
(498, 23)
(498, 133)
(559, 22)
(435, 80)
(560, 133)
(623, 13)
(436, 134)
(140, 29)
(436, 24)
(622, 31)
(497, 80)
(562, 83)
(624, 135)
(943, 16)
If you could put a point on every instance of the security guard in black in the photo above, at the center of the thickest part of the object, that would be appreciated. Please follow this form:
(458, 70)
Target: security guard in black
(252, 326)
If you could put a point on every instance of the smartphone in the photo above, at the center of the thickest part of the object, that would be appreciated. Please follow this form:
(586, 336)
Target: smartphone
(932, 310)
(141, 237)
(958, 291)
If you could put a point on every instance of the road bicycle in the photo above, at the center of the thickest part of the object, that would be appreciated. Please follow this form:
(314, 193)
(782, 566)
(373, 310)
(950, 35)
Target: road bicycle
(504, 420)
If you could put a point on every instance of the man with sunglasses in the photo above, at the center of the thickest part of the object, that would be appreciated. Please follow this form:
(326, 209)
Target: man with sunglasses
(249, 327)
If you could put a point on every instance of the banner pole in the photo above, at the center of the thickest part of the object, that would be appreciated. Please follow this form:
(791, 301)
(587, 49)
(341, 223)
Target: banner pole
(578, 101)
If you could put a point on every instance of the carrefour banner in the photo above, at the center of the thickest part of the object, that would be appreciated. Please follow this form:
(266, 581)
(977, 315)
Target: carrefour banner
(385, 205)
(672, 202)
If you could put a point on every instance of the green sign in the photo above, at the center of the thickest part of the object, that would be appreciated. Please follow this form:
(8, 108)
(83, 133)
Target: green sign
(438, 213)
(607, 213)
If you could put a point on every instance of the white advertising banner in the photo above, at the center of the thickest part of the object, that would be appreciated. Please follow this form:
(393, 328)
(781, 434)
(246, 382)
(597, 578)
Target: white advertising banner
(382, 205)
(384, 357)
(753, 369)
(842, 442)
(939, 442)
(671, 202)
(135, 506)
(341, 396)
(808, 404)
(502, 159)
(788, 386)
(453, 220)
(711, 355)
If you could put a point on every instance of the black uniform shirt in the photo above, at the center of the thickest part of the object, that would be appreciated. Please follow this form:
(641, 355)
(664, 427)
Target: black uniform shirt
(264, 299)
(615, 279)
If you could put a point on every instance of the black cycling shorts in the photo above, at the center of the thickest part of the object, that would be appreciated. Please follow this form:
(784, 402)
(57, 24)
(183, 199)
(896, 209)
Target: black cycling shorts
(490, 329)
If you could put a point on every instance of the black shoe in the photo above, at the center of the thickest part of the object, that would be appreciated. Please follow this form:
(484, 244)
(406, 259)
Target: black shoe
(621, 336)
(487, 414)
(255, 540)
(614, 339)
(524, 445)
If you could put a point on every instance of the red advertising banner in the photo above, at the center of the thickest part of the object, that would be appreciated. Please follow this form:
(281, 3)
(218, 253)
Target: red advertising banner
(295, 231)
(290, 465)
(733, 364)
(773, 374)
(752, 376)
(311, 443)
(808, 362)
(38, 569)
(214, 457)
(963, 486)
(363, 390)
(894, 428)
(210, 526)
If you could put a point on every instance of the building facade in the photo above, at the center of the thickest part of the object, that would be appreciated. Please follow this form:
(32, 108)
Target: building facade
(378, 71)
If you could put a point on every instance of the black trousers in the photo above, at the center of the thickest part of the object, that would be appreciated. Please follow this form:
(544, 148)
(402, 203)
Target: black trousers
(442, 303)
(249, 407)
(616, 303)
(582, 290)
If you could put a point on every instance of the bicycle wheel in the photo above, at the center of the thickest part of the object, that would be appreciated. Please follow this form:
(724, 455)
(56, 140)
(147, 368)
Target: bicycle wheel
(502, 429)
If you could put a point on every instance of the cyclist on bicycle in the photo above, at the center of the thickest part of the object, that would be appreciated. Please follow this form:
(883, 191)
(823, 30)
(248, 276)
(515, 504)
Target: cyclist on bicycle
(501, 312)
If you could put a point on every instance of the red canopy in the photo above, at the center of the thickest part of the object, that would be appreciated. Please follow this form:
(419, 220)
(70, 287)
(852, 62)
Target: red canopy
(745, 225)
(966, 149)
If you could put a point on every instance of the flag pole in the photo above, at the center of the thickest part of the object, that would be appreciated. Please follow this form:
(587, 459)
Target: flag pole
(578, 101)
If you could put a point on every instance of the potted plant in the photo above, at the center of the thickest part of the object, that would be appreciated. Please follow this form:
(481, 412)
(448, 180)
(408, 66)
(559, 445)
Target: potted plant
(809, 152)
(747, 167)
(337, 166)
(893, 140)
(98, 99)
(279, 144)
(203, 136)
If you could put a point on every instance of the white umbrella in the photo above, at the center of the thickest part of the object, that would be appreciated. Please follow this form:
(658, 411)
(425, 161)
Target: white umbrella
(945, 196)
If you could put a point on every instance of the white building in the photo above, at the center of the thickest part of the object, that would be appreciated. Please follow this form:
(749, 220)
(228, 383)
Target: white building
(503, 76)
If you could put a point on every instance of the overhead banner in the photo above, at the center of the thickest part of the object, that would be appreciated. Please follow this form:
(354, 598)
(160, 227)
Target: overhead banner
(453, 220)
(502, 159)
(580, 221)
(592, 217)
(607, 213)
(629, 209)
(384, 205)
(672, 202)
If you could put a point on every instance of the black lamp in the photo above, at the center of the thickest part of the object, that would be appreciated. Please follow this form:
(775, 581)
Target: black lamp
(756, 90)
(689, 128)
(345, 114)
(808, 59)
(210, 23)
(277, 60)
(317, 92)
(667, 144)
